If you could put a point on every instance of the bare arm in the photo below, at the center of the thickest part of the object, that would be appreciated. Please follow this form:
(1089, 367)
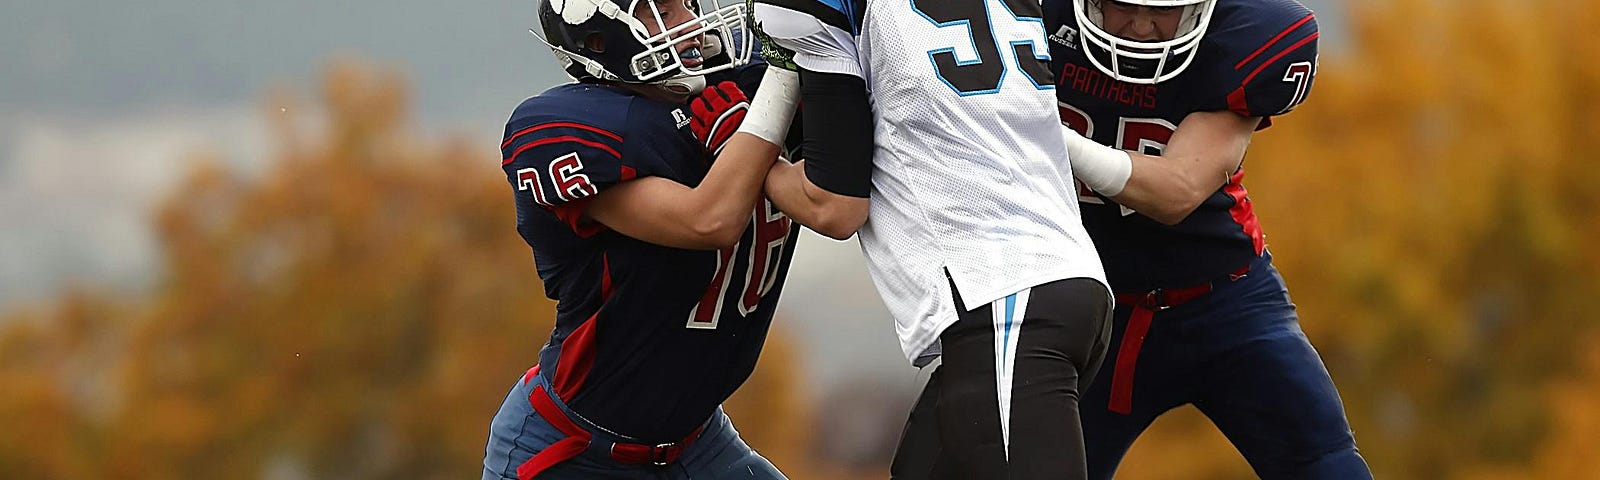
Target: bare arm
(710, 216)
(836, 216)
(828, 190)
(715, 213)
(1206, 148)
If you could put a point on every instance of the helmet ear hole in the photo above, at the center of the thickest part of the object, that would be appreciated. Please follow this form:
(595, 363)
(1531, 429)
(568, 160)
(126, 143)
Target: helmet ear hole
(595, 42)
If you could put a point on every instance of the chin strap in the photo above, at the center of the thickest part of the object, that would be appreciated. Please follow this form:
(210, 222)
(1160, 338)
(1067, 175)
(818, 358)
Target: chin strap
(685, 85)
(593, 68)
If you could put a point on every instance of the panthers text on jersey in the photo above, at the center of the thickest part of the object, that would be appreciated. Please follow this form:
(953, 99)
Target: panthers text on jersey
(966, 189)
(1257, 59)
(649, 339)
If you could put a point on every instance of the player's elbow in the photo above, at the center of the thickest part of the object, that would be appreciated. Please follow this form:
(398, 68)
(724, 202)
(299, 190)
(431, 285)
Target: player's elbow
(711, 233)
(838, 230)
(1169, 215)
(1179, 205)
(839, 216)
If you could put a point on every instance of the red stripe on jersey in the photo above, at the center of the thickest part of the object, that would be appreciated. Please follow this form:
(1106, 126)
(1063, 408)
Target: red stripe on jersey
(1242, 212)
(605, 278)
(577, 358)
(1275, 58)
(1236, 102)
(628, 173)
(543, 126)
(563, 138)
(571, 213)
(578, 349)
(1263, 48)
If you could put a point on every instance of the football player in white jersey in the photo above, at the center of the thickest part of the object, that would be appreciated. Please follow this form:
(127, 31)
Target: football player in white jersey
(942, 111)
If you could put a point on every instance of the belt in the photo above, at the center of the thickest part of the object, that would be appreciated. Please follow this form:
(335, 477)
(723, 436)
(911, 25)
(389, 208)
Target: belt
(578, 439)
(1145, 305)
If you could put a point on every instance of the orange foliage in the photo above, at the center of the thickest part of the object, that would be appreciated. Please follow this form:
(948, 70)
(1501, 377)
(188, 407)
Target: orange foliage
(357, 311)
(1434, 209)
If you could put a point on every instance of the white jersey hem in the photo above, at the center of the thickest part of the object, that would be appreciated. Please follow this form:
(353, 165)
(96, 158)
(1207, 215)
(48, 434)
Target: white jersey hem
(920, 341)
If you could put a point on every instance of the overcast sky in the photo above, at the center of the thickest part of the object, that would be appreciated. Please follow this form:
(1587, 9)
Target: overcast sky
(129, 88)
(467, 58)
(89, 57)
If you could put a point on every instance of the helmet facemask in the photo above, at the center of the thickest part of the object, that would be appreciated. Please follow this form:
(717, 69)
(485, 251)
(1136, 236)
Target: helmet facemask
(1143, 62)
(662, 59)
(628, 51)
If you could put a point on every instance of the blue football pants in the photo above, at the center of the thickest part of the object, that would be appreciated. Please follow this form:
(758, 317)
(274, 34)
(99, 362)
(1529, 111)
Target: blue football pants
(518, 433)
(1239, 356)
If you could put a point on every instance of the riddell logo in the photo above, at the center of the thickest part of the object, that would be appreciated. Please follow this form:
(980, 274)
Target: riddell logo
(678, 116)
(1065, 36)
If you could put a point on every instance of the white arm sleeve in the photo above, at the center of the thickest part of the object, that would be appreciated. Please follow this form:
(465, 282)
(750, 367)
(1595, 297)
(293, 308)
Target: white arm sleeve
(772, 110)
(1102, 168)
(817, 46)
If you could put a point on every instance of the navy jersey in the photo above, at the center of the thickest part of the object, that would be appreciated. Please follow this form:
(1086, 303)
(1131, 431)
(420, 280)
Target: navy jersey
(1257, 59)
(648, 339)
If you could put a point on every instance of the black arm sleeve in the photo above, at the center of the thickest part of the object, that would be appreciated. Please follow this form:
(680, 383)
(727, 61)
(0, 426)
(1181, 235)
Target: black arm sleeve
(837, 125)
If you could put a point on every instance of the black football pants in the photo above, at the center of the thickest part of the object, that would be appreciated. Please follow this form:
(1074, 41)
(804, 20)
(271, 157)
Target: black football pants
(1003, 404)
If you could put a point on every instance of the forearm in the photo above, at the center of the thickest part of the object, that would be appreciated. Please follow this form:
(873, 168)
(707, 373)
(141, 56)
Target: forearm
(1205, 149)
(724, 199)
(714, 213)
(830, 214)
(1137, 181)
(828, 190)
(1167, 189)
(785, 187)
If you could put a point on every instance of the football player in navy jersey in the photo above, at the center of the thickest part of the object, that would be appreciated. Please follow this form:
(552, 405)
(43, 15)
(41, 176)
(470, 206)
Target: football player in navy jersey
(666, 265)
(1159, 99)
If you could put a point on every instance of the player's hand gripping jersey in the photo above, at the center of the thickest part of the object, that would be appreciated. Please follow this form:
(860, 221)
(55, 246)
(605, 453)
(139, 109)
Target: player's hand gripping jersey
(965, 177)
(685, 325)
(1257, 60)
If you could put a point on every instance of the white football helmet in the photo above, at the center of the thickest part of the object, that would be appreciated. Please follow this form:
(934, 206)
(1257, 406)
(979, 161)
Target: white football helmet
(1143, 62)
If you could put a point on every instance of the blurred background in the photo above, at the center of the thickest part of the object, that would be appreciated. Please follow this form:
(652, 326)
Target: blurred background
(269, 240)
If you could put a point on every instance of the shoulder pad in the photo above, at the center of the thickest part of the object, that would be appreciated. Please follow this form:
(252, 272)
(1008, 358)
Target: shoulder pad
(571, 143)
(559, 162)
(1265, 57)
(841, 14)
(818, 45)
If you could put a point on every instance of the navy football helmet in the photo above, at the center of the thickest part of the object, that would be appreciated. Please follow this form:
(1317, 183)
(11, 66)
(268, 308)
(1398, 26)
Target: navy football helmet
(633, 41)
(1143, 62)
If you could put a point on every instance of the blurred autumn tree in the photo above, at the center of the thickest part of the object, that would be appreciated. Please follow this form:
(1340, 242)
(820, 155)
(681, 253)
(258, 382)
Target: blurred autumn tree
(1436, 208)
(357, 311)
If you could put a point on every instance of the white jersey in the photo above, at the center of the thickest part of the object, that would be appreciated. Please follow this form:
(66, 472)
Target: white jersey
(969, 170)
